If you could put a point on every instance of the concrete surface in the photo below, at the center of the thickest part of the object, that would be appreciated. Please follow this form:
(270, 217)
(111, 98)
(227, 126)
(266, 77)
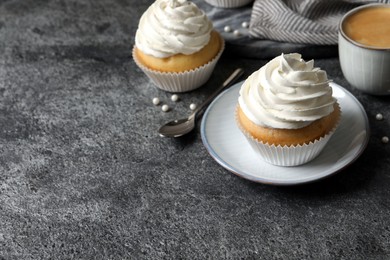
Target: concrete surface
(84, 175)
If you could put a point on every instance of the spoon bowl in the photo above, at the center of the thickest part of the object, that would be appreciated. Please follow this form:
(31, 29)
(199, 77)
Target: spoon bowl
(177, 128)
(180, 127)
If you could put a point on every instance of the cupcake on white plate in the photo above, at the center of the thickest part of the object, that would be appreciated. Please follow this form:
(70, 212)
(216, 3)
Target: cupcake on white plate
(286, 110)
(176, 45)
(228, 3)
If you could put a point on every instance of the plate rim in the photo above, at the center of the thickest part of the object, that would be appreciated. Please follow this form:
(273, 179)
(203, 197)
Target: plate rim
(242, 174)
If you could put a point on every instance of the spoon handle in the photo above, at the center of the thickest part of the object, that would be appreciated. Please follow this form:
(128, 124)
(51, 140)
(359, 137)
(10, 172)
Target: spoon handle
(232, 78)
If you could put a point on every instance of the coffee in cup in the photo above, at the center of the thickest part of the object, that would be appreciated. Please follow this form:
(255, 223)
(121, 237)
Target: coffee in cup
(364, 48)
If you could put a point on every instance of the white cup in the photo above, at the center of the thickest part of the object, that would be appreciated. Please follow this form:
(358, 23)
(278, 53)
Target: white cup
(366, 68)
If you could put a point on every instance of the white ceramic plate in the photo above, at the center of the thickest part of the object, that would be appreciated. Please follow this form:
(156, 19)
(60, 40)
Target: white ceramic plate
(228, 146)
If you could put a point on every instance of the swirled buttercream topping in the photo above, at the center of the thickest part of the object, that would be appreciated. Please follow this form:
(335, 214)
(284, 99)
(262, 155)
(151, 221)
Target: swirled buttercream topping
(286, 93)
(170, 27)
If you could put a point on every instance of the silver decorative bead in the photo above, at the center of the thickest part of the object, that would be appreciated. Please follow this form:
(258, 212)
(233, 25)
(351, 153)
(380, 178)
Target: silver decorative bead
(385, 139)
(227, 28)
(245, 25)
(193, 106)
(379, 116)
(236, 33)
(174, 97)
(156, 101)
(165, 108)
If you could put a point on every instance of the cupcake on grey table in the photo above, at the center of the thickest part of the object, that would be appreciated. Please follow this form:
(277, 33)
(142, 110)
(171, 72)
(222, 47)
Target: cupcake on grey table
(286, 110)
(176, 45)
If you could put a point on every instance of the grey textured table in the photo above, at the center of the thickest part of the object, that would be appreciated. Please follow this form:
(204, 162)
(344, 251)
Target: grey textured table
(84, 175)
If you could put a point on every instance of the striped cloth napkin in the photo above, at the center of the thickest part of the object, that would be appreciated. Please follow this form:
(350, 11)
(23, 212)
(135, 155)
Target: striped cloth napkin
(300, 21)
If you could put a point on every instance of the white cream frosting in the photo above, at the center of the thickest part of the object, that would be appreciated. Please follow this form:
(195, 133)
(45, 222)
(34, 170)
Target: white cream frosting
(170, 27)
(286, 93)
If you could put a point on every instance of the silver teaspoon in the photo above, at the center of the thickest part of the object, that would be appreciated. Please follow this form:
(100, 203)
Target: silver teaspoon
(183, 126)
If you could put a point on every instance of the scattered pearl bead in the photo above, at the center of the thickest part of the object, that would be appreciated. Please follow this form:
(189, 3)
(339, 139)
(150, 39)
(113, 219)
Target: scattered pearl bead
(174, 97)
(385, 139)
(165, 108)
(245, 25)
(236, 33)
(227, 28)
(156, 101)
(379, 116)
(193, 106)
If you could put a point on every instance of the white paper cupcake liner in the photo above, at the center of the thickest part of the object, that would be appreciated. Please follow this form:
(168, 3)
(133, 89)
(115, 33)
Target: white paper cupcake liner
(228, 3)
(181, 81)
(287, 155)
